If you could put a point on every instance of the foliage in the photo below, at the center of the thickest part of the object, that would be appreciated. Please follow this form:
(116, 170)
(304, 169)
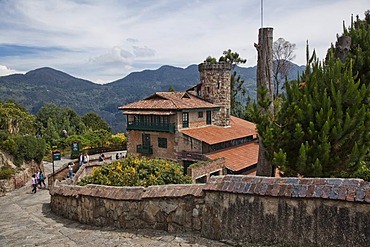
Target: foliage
(6, 172)
(323, 123)
(15, 119)
(363, 172)
(322, 127)
(57, 123)
(171, 88)
(25, 148)
(118, 139)
(94, 122)
(359, 54)
(133, 171)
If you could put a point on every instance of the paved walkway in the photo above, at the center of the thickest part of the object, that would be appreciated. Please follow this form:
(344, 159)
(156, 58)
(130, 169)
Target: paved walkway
(26, 220)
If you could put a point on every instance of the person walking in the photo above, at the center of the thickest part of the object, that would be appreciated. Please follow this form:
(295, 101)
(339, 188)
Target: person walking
(41, 180)
(70, 169)
(86, 158)
(81, 159)
(34, 183)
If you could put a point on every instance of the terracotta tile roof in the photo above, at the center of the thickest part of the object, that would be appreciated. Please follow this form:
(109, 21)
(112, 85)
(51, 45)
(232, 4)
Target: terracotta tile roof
(169, 101)
(150, 112)
(239, 157)
(238, 128)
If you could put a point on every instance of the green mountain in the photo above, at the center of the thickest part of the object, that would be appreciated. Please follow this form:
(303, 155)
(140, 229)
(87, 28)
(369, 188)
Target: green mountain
(47, 85)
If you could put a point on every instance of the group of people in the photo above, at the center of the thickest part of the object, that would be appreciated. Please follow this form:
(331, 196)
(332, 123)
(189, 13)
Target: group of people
(119, 156)
(83, 159)
(38, 179)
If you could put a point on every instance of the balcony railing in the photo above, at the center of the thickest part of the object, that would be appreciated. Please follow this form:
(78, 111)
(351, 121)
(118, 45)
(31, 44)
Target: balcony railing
(144, 149)
(165, 127)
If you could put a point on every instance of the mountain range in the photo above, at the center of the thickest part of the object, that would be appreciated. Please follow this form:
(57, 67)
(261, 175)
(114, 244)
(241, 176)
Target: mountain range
(47, 85)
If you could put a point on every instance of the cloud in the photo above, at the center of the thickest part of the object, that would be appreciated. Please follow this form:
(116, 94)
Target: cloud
(143, 51)
(7, 71)
(106, 40)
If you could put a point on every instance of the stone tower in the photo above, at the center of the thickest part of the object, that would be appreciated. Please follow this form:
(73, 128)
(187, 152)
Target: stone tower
(215, 82)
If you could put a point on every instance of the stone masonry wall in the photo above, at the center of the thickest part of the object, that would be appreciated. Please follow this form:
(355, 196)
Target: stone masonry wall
(171, 208)
(206, 169)
(215, 82)
(20, 178)
(233, 209)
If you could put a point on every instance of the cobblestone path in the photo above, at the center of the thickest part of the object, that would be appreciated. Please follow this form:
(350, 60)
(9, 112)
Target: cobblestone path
(26, 220)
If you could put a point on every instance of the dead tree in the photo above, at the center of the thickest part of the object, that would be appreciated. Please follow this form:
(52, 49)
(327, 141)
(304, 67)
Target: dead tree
(265, 78)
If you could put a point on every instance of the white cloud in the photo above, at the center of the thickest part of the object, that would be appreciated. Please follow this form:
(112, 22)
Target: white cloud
(4, 70)
(106, 40)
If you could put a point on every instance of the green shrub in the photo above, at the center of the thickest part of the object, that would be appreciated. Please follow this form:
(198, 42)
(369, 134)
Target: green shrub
(25, 148)
(133, 171)
(363, 172)
(6, 172)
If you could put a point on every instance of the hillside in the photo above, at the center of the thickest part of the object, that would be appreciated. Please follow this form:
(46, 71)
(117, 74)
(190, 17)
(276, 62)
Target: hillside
(47, 85)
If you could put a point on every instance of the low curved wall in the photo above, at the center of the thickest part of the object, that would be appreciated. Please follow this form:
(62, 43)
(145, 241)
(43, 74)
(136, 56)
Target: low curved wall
(233, 209)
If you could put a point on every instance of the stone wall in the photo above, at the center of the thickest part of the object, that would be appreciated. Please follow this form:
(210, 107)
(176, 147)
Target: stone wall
(20, 178)
(233, 209)
(171, 208)
(206, 168)
(215, 80)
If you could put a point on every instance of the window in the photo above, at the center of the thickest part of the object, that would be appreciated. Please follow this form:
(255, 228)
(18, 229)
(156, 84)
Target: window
(200, 114)
(185, 119)
(162, 142)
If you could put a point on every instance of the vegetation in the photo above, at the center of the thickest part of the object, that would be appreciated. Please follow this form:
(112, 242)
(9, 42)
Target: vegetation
(18, 134)
(27, 137)
(6, 172)
(133, 171)
(322, 128)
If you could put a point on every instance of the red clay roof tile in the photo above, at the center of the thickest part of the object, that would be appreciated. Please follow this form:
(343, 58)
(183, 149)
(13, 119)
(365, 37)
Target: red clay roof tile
(239, 157)
(169, 101)
(238, 128)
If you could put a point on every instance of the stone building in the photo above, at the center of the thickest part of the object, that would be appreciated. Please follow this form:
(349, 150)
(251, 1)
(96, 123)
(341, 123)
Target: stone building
(193, 126)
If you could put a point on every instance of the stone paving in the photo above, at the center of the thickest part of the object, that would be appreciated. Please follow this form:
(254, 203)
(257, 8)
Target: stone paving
(26, 220)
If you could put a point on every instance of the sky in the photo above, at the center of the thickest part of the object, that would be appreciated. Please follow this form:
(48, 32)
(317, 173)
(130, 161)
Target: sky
(105, 40)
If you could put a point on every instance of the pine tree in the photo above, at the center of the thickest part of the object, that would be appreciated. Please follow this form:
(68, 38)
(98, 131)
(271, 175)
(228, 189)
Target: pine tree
(324, 121)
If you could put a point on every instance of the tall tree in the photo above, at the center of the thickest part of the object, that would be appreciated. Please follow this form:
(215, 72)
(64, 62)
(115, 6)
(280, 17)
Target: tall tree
(15, 119)
(94, 122)
(324, 122)
(283, 55)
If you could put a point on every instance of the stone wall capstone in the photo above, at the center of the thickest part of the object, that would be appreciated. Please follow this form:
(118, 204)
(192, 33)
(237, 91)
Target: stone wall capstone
(239, 210)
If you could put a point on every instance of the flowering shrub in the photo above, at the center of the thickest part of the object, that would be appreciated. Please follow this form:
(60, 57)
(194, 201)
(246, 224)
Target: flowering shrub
(133, 171)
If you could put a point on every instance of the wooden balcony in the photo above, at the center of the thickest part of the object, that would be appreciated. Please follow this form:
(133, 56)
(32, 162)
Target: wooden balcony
(169, 127)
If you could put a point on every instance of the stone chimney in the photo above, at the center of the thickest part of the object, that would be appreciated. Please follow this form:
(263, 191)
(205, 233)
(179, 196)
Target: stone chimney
(215, 83)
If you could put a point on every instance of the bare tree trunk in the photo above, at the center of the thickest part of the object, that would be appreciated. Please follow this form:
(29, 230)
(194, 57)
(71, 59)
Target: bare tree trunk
(265, 77)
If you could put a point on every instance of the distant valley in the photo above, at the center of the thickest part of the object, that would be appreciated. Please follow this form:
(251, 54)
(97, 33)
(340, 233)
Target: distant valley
(47, 85)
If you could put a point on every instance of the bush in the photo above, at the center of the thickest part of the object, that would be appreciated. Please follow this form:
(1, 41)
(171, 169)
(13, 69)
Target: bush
(25, 148)
(363, 172)
(133, 171)
(6, 172)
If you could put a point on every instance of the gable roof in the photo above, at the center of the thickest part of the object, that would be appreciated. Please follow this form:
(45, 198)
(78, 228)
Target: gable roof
(239, 157)
(169, 101)
(238, 128)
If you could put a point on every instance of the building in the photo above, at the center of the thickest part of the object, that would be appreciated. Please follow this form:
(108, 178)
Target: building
(193, 126)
